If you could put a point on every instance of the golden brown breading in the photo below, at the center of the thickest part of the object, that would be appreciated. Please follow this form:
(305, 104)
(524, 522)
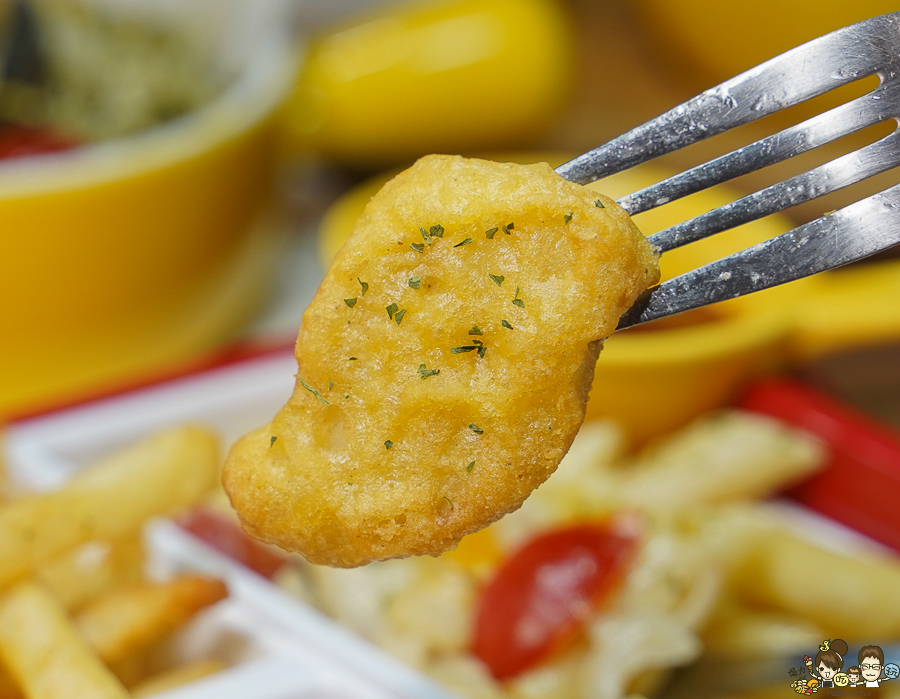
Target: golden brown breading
(444, 364)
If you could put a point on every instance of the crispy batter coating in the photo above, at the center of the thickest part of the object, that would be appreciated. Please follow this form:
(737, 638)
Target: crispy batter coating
(444, 364)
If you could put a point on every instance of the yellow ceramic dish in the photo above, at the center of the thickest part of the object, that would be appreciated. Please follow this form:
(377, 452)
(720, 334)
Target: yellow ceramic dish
(658, 377)
(126, 256)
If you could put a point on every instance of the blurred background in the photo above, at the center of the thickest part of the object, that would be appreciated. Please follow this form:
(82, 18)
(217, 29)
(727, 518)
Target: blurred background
(175, 176)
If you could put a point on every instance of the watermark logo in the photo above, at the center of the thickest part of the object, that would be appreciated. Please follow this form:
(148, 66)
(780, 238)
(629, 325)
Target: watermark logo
(832, 670)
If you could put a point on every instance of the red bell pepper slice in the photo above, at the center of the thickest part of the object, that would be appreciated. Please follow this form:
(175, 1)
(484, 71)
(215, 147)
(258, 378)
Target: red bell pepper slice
(21, 141)
(860, 485)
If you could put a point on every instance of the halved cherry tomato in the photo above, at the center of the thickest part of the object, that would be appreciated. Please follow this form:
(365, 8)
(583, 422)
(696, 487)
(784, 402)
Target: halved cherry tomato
(860, 484)
(226, 536)
(541, 596)
(19, 141)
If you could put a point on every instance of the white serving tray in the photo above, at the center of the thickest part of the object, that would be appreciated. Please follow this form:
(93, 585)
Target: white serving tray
(278, 647)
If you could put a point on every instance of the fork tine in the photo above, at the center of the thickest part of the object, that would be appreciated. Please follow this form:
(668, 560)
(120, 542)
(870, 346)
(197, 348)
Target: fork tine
(848, 169)
(857, 114)
(786, 80)
(830, 241)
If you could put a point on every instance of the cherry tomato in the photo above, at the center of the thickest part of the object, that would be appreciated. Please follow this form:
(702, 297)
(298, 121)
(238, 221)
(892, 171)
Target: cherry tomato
(226, 536)
(19, 141)
(541, 596)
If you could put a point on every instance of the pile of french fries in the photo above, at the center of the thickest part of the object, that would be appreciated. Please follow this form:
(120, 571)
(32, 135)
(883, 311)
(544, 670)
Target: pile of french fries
(78, 618)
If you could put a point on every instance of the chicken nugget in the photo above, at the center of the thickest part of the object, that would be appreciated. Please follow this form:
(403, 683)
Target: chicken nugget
(444, 364)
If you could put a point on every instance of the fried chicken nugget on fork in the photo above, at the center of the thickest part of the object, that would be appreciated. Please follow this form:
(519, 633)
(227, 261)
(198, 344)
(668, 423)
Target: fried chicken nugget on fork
(444, 364)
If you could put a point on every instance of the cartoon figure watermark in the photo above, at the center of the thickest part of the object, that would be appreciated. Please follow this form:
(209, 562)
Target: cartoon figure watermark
(872, 667)
(825, 671)
(830, 662)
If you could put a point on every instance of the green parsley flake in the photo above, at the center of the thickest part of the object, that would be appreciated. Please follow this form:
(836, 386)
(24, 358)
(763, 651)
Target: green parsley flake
(567, 218)
(426, 372)
(470, 466)
(425, 235)
(352, 359)
(508, 227)
(599, 204)
(437, 231)
(346, 396)
(465, 242)
(388, 444)
(464, 348)
(364, 285)
(475, 428)
(506, 324)
(498, 278)
(475, 330)
(272, 441)
(392, 309)
(418, 247)
(350, 302)
(330, 385)
(399, 316)
(517, 301)
(490, 232)
(448, 500)
(312, 390)
(482, 351)
(415, 282)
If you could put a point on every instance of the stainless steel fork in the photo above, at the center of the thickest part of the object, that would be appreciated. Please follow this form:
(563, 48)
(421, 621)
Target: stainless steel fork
(861, 229)
(21, 56)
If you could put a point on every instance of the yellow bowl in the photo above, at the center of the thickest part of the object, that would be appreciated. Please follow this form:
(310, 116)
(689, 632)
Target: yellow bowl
(653, 380)
(717, 40)
(129, 255)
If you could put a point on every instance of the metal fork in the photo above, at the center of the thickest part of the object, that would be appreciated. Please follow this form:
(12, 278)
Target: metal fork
(21, 55)
(861, 229)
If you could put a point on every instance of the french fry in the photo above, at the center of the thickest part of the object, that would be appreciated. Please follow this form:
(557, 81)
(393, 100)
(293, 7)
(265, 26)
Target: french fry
(44, 652)
(8, 688)
(735, 630)
(725, 457)
(125, 621)
(154, 476)
(828, 588)
(177, 676)
(137, 667)
(79, 575)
